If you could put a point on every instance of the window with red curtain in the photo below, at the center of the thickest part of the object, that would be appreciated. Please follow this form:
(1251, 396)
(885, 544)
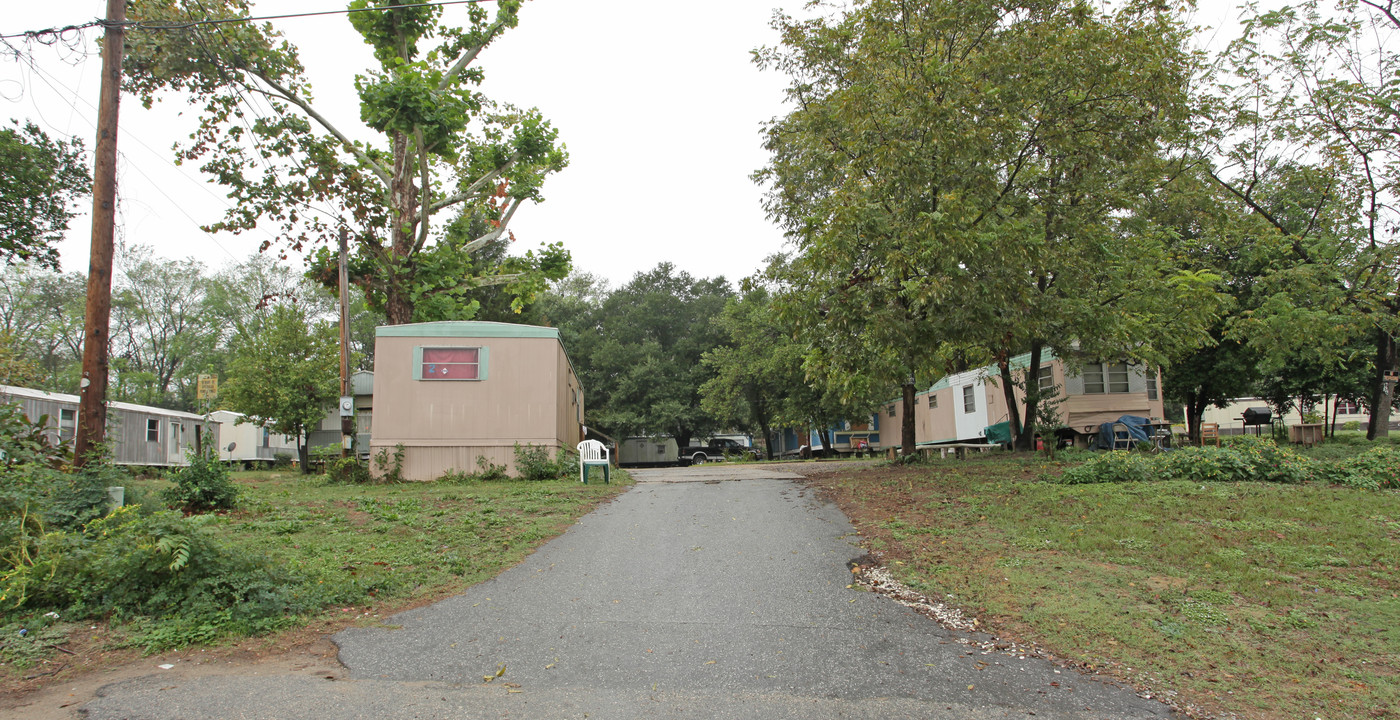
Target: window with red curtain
(460, 363)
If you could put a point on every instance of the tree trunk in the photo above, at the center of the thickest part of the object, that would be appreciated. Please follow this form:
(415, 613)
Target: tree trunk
(304, 452)
(1195, 410)
(907, 440)
(1382, 392)
(1008, 389)
(403, 218)
(767, 438)
(1025, 440)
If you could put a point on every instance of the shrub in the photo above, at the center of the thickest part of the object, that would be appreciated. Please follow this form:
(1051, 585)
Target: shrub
(281, 461)
(1373, 469)
(347, 471)
(204, 484)
(487, 471)
(1113, 466)
(390, 468)
(1243, 460)
(534, 463)
(161, 565)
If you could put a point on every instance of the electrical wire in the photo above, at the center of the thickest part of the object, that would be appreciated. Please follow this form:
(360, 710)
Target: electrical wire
(66, 94)
(47, 35)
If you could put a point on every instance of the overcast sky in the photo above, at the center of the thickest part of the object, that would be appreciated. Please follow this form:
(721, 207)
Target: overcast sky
(658, 102)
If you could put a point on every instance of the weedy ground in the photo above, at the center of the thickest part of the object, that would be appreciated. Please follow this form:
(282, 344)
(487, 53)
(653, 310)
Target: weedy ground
(374, 549)
(1252, 599)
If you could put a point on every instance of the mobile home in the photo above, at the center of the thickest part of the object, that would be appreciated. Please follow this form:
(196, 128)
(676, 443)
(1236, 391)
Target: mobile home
(250, 443)
(139, 434)
(326, 433)
(454, 392)
(961, 406)
(640, 451)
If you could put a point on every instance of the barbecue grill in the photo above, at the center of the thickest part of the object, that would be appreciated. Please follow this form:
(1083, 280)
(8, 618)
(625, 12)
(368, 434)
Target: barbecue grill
(1257, 417)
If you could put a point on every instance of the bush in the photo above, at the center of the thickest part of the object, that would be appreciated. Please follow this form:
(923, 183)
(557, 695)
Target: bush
(391, 468)
(204, 484)
(1113, 466)
(1243, 460)
(1244, 457)
(281, 461)
(161, 565)
(347, 471)
(533, 462)
(1375, 469)
(487, 471)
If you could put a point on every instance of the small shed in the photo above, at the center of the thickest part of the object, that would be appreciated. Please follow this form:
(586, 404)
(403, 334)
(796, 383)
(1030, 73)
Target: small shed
(452, 392)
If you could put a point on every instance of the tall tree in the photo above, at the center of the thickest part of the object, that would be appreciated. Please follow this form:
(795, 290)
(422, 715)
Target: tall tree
(1304, 82)
(966, 174)
(40, 180)
(286, 374)
(161, 328)
(442, 145)
(42, 312)
(757, 368)
(643, 369)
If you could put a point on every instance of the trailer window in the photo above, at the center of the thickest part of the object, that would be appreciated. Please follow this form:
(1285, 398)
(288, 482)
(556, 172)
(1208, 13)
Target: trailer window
(1102, 378)
(152, 430)
(890, 410)
(451, 363)
(969, 399)
(1151, 385)
(933, 401)
(1045, 378)
(67, 423)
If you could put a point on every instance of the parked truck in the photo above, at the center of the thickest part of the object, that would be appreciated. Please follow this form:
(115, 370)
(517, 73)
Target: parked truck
(716, 449)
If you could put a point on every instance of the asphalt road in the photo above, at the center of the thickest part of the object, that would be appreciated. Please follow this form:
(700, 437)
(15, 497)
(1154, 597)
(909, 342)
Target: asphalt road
(707, 592)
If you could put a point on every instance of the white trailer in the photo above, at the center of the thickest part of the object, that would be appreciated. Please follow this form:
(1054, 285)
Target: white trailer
(641, 451)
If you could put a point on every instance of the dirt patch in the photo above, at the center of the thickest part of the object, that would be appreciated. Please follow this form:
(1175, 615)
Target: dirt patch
(56, 689)
(60, 696)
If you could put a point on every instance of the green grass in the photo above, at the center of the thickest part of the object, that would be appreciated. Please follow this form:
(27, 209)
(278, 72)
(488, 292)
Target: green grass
(379, 546)
(1266, 600)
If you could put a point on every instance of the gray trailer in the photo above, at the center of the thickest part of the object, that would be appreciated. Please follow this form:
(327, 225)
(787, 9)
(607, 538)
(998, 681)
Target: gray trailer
(138, 434)
(648, 451)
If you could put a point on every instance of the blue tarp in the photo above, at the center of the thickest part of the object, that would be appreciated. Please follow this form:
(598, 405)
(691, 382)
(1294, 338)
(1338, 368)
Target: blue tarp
(1135, 431)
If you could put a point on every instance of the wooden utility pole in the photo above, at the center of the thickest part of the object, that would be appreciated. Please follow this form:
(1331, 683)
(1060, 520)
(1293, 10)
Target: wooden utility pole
(347, 423)
(92, 410)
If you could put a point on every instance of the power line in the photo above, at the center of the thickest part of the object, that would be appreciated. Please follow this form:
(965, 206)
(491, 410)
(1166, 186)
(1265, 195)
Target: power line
(48, 35)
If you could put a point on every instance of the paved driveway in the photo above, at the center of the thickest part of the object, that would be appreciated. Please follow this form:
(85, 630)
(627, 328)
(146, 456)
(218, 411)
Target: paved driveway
(709, 592)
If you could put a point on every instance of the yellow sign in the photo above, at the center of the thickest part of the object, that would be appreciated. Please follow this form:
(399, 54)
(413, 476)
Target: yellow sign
(208, 387)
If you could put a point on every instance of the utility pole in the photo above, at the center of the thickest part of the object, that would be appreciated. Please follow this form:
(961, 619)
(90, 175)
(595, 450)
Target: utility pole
(347, 401)
(92, 409)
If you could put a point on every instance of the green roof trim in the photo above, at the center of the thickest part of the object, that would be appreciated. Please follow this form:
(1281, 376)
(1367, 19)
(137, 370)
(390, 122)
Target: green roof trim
(467, 329)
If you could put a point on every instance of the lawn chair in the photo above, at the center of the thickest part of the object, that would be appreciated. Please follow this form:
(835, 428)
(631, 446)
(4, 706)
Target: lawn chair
(1122, 437)
(593, 452)
(1210, 433)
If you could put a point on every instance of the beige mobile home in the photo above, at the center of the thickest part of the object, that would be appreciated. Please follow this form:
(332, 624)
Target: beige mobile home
(452, 392)
(1099, 393)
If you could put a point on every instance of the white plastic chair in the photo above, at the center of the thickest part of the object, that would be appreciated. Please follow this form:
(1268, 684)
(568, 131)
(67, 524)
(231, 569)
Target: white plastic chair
(593, 452)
